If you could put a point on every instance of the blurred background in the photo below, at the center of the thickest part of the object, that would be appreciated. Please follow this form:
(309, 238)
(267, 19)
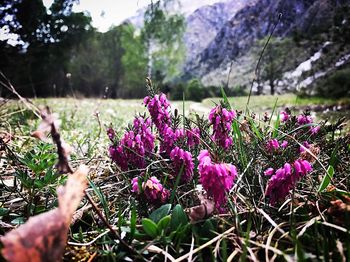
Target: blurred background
(106, 48)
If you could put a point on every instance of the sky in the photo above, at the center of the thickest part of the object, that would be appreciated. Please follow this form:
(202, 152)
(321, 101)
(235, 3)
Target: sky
(106, 13)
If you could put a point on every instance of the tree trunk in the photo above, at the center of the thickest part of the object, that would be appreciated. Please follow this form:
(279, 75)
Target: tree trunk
(272, 85)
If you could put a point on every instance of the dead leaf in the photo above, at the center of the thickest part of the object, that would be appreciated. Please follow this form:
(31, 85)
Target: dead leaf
(39, 135)
(205, 209)
(49, 124)
(44, 237)
(315, 150)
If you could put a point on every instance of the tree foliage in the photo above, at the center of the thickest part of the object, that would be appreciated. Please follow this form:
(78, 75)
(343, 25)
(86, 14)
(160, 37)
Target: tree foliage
(37, 65)
(163, 35)
(58, 53)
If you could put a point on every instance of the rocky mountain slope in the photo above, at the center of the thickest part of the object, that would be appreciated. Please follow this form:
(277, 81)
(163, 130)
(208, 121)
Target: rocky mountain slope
(203, 25)
(224, 38)
(235, 41)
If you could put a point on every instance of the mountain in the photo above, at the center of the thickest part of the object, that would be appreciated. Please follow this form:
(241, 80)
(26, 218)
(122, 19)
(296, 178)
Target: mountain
(203, 25)
(224, 39)
(239, 38)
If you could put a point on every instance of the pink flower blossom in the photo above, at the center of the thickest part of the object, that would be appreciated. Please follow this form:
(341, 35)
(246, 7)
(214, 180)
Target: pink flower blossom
(285, 179)
(135, 146)
(284, 144)
(159, 109)
(315, 130)
(221, 120)
(111, 134)
(217, 179)
(152, 188)
(182, 160)
(284, 116)
(135, 185)
(272, 145)
(269, 171)
(302, 167)
(117, 155)
(303, 119)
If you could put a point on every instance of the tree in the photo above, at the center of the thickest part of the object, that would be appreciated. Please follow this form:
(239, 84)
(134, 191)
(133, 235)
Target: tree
(37, 65)
(163, 35)
(274, 61)
(134, 63)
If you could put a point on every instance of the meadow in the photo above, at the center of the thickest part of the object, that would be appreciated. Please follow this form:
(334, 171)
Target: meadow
(219, 180)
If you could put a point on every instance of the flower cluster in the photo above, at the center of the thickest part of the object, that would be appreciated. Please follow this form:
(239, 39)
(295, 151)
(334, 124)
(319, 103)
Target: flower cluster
(152, 188)
(303, 119)
(169, 137)
(284, 116)
(221, 119)
(159, 107)
(217, 179)
(273, 145)
(285, 178)
(182, 162)
(306, 119)
(134, 147)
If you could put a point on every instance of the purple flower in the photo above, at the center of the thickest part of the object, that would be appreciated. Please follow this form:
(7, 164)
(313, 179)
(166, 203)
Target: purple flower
(272, 145)
(135, 146)
(159, 109)
(111, 133)
(284, 116)
(221, 120)
(315, 130)
(193, 136)
(285, 179)
(217, 179)
(303, 147)
(302, 167)
(182, 160)
(154, 190)
(135, 185)
(303, 119)
(284, 144)
(269, 172)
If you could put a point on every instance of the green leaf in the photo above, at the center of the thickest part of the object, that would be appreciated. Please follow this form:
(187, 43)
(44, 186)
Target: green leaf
(178, 218)
(150, 227)
(255, 129)
(326, 179)
(101, 197)
(276, 126)
(159, 213)
(224, 96)
(133, 222)
(3, 211)
(334, 158)
(163, 223)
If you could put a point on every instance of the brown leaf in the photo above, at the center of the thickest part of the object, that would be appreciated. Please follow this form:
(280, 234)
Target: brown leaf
(43, 237)
(49, 124)
(315, 150)
(202, 211)
(39, 135)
